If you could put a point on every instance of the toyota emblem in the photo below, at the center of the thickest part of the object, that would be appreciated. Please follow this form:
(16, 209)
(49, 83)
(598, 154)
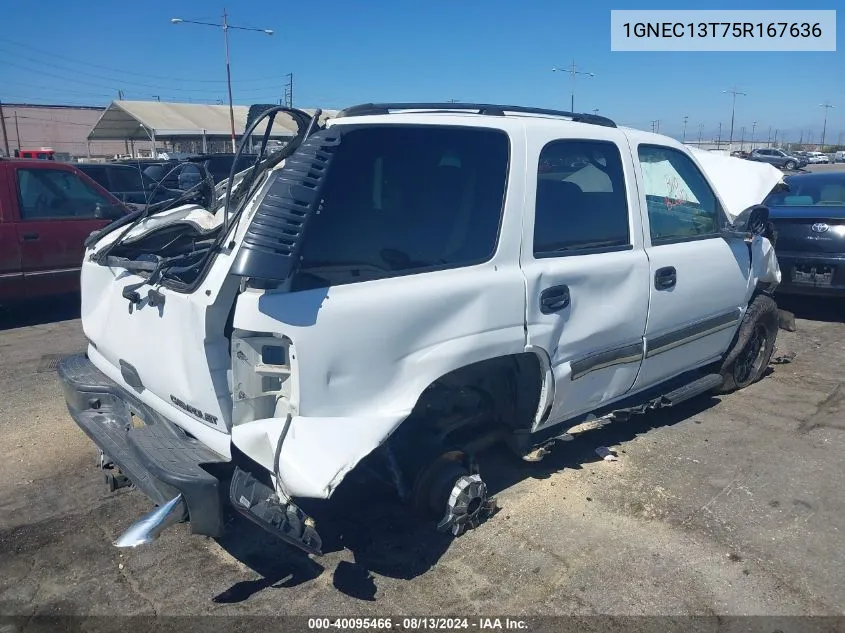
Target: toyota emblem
(821, 227)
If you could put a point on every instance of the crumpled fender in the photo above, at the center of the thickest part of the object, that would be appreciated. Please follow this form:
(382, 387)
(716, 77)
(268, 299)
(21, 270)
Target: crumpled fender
(316, 453)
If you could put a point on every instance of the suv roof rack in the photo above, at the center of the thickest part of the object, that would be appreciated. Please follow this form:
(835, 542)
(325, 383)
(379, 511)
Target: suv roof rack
(478, 108)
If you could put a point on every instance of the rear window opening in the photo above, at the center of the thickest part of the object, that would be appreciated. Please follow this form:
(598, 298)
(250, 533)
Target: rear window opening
(403, 199)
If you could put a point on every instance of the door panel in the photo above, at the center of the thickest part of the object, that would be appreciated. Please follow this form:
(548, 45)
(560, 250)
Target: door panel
(699, 280)
(57, 214)
(585, 270)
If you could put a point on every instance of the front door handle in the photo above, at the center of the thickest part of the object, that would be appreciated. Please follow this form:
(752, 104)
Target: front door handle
(665, 278)
(29, 237)
(554, 299)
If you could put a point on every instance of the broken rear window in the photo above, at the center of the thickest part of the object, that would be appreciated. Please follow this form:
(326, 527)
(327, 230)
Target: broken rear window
(402, 199)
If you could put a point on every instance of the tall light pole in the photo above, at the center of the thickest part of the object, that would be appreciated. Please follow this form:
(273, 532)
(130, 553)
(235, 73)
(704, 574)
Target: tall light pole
(826, 107)
(753, 127)
(573, 71)
(700, 130)
(734, 92)
(225, 26)
(684, 138)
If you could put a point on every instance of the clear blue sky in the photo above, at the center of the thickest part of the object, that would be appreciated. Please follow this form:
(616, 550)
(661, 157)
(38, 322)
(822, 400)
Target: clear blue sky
(343, 53)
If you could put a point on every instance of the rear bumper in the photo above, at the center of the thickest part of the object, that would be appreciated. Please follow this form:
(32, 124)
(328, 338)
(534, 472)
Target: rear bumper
(155, 454)
(787, 260)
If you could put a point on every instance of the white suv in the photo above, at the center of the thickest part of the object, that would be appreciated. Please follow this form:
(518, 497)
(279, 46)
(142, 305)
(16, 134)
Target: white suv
(412, 282)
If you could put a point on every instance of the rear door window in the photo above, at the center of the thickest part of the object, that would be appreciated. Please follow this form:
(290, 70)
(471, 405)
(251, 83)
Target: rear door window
(404, 199)
(581, 204)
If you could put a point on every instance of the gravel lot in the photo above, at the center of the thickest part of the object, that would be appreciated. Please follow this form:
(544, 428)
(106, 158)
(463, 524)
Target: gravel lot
(729, 505)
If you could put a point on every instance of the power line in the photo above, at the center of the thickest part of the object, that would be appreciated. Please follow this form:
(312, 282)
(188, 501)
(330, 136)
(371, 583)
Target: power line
(121, 71)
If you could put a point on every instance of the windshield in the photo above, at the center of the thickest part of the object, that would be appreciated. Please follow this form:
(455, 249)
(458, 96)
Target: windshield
(805, 192)
(405, 198)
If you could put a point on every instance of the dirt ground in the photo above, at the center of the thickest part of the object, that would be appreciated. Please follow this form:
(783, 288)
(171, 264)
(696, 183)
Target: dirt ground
(726, 506)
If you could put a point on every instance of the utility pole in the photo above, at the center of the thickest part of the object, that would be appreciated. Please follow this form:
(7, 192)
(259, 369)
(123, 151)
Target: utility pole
(3, 124)
(769, 137)
(734, 92)
(684, 138)
(289, 91)
(826, 107)
(753, 127)
(226, 26)
(801, 138)
(657, 121)
(742, 138)
(719, 138)
(573, 71)
(700, 131)
(776, 137)
(17, 130)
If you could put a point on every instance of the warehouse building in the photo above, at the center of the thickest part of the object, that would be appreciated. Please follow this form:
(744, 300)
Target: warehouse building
(129, 128)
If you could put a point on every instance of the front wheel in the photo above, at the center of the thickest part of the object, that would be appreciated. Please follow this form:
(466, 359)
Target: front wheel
(790, 165)
(752, 349)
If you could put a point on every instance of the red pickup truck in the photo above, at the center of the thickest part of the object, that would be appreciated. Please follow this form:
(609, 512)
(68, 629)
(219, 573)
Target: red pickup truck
(47, 209)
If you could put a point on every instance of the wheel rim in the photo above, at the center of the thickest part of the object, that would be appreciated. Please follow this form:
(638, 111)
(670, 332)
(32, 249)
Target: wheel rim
(749, 363)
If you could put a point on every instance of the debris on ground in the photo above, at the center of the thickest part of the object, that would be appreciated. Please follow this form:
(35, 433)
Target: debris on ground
(606, 454)
(786, 320)
(784, 359)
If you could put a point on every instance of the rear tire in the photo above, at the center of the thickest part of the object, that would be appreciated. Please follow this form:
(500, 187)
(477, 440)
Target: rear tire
(790, 165)
(751, 351)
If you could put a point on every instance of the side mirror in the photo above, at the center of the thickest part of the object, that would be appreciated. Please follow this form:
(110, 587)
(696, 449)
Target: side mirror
(758, 220)
(107, 212)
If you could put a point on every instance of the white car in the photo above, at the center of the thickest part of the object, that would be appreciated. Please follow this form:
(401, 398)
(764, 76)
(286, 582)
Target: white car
(413, 282)
(816, 158)
(839, 157)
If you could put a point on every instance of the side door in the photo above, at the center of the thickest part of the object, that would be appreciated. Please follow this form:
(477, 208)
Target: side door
(585, 268)
(11, 276)
(698, 279)
(58, 210)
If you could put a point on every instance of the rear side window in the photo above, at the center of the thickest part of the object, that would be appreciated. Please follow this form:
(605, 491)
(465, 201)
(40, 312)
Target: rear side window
(402, 199)
(128, 179)
(581, 201)
(681, 205)
(98, 175)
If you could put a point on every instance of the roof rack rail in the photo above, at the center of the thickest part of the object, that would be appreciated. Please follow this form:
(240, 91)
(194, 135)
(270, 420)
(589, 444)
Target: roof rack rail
(478, 108)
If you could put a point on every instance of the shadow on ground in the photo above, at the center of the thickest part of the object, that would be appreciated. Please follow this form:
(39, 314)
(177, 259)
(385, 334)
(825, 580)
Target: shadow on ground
(826, 309)
(39, 312)
(385, 538)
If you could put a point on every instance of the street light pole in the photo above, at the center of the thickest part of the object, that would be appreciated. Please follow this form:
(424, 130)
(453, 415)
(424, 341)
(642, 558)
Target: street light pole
(225, 26)
(573, 71)
(826, 107)
(684, 139)
(753, 127)
(734, 92)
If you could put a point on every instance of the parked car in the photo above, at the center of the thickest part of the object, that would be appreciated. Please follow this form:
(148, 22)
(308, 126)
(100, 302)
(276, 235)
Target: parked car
(47, 210)
(778, 158)
(740, 154)
(817, 158)
(180, 175)
(809, 224)
(128, 183)
(839, 157)
(404, 289)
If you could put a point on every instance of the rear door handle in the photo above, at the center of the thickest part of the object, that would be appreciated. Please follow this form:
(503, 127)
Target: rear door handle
(554, 299)
(665, 278)
(29, 237)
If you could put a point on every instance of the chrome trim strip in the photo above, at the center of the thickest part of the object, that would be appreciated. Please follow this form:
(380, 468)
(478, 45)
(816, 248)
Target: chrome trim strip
(617, 356)
(10, 275)
(692, 332)
(56, 271)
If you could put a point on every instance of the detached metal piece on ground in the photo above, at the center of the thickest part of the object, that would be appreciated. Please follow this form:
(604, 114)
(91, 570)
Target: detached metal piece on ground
(151, 525)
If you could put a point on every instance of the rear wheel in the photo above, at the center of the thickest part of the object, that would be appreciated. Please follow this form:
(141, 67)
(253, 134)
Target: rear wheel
(790, 165)
(753, 346)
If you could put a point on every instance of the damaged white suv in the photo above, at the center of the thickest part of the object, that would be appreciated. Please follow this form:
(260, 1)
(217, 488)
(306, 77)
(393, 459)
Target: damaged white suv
(402, 285)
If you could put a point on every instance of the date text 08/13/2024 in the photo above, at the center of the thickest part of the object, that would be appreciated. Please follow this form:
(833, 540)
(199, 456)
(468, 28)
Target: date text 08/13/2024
(418, 623)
